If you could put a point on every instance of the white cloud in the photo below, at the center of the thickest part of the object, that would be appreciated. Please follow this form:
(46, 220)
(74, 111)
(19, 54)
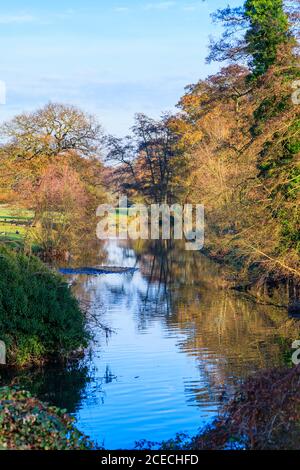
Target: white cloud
(160, 6)
(193, 6)
(8, 19)
(189, 8)
(121, 9)
(165, 5)
(23, 18)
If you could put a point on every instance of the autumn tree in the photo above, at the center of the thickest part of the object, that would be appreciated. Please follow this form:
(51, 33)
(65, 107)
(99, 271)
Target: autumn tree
(58, 202)
(241, 130)
(32, 140)
(52, 130)
(48, 159)
(55, 134)
(149, 163)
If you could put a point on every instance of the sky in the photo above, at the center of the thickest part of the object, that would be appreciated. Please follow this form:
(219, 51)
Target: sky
(111, 58)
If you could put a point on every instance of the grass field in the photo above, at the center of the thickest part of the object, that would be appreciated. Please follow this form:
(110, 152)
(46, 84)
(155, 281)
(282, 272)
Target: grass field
(14, 223)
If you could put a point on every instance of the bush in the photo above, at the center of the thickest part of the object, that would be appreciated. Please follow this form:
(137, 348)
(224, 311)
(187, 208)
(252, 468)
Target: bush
(39, 317)
(264, 414)
(28, 424)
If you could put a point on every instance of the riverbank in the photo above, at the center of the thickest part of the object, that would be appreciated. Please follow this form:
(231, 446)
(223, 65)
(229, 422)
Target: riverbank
(40, 319)
(262, 286)
(15, 224)
(263, 414)
(29, 424)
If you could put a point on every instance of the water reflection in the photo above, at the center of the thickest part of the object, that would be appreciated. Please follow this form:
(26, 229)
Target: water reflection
(61, 386)
(188, 291)
(179, 338)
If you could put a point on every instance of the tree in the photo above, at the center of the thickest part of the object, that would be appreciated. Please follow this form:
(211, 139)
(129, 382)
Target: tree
(149, 163)
(241, 131)
(267, 28)
(32, 141)
(50, 163)
(52, 130)
(54, 135)
(59, 202)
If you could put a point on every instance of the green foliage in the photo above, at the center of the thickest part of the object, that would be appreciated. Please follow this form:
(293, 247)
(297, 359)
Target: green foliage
(181, 441)
(290, 230)
(28, 424)
(39, 317)
(278, 164)
(269, 28)
(269, 108)
(277, 156)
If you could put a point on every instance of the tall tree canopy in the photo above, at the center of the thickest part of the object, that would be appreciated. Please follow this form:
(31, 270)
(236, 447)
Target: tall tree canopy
(55, 134)
(52, 130)
(253, 33)
(241, 131)
(149, 163)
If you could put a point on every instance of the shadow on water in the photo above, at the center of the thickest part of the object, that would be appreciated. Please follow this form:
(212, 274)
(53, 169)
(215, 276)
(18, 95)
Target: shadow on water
(61, 386)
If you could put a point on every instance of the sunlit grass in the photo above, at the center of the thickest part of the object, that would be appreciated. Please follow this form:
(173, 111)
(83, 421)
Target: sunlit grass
(15, 213)
(14, 223)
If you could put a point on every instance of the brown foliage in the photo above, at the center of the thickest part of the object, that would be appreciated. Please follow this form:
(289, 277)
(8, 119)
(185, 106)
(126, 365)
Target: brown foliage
(263, 414)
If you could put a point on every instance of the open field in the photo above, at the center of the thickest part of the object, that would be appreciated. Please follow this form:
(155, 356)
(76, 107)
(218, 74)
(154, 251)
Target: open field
(14, 223)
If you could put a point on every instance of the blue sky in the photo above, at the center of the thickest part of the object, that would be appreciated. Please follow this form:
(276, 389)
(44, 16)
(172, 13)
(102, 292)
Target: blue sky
(112, 58)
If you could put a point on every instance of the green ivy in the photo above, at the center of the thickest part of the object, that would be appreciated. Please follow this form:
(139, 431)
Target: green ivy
(28, 424)
(269, 28)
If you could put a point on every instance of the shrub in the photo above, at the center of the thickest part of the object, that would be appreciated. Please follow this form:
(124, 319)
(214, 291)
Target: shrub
(39, 317)
(28, 424)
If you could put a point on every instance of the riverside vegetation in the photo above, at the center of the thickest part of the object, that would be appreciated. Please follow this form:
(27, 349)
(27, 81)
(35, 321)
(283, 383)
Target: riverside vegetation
(28, 424)
(233, 146)
(39, 317)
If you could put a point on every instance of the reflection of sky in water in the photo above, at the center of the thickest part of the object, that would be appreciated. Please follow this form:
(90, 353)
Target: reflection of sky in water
(153, 392)
(179, 337)
(157, 380)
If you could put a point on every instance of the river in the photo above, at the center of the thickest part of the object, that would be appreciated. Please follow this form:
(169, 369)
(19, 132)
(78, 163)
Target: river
(179, 340)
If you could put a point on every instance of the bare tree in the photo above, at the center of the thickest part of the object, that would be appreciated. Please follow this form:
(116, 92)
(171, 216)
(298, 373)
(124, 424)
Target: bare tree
(52, 130)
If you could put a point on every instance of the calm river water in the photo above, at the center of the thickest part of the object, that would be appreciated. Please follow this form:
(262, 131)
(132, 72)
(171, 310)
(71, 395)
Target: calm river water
(179, 340)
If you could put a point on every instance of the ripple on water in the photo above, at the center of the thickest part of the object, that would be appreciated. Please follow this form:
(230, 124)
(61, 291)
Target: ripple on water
(179, 339)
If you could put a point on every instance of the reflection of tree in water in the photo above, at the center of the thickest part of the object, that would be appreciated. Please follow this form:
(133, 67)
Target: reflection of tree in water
(229, 336)
(168, 268)
(65, 387)
(59, 386)
(109, 377)
(86, 250)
